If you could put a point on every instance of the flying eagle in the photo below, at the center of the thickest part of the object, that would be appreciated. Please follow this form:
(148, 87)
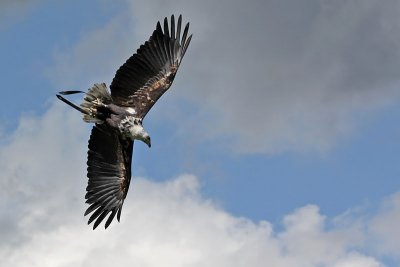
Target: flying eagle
(118, 116)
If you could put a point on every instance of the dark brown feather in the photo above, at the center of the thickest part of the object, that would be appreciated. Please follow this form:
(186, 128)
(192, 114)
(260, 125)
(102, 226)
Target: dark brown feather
(109, 173)
(148, 74)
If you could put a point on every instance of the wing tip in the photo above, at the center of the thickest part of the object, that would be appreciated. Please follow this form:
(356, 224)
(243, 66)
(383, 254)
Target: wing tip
(158, 27)
(99, 215)
(174, 28)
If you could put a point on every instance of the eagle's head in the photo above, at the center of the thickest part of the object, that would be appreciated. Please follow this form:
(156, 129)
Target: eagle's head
(132, 128)
(146, 139)
(139, 133)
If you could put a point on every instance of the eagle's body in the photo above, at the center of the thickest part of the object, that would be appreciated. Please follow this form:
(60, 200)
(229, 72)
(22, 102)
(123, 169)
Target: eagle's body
(118, 116)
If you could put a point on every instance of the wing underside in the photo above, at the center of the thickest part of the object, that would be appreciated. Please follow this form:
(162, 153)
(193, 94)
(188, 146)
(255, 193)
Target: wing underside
(109, 173)
(148, 74)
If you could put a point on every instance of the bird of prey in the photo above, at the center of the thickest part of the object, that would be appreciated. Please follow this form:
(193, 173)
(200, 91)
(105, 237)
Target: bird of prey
(118, 116)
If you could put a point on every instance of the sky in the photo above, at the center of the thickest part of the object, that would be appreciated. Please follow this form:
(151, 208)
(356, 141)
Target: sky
(277, 145)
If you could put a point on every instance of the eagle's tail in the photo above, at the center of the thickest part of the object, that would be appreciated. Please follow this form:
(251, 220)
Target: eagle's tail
(93, 104)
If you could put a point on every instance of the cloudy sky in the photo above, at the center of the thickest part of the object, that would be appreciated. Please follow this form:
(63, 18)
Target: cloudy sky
(278, 144)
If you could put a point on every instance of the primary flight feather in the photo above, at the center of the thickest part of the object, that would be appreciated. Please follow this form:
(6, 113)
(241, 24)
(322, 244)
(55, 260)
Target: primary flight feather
(118, 116)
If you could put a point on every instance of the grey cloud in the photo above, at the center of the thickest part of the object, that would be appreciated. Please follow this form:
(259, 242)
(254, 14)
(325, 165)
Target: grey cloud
(12, 11)
(95, 57)
(271, 75)
(287, 75)
(16, 3)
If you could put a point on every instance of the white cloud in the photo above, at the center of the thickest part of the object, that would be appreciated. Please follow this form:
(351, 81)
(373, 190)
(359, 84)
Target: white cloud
(42, 151)
(163, 224)
(384, 225)
(357, 260)
(272, 75)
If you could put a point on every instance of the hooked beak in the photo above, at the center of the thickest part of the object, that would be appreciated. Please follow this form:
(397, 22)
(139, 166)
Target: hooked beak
(148, 142)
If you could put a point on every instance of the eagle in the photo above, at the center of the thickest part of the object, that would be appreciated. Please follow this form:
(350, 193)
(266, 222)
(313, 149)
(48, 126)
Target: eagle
(118, 116)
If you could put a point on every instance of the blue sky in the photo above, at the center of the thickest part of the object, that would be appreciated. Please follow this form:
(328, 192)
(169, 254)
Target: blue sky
(282, 112)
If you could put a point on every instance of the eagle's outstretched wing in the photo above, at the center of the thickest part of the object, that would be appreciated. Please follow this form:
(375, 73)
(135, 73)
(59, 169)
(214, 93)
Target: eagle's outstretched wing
(109, 173)
(148, 74)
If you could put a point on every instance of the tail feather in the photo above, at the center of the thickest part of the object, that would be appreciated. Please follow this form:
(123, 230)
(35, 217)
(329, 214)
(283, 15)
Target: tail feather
(70, 92)
(94, 102)
(72, 104)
